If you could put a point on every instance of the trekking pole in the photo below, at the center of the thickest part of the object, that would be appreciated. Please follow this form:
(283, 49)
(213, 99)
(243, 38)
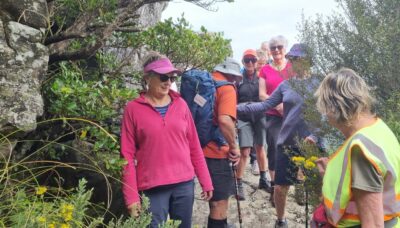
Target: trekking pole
(237, 195)
(305, 187)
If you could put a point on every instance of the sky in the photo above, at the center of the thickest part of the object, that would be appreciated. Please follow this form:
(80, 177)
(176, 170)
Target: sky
(249, 22)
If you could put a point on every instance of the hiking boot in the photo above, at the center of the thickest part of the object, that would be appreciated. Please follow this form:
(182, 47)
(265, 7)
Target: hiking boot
(240, 195)
(265, 184)
(281, 223)
(299, 194)
(254, 168)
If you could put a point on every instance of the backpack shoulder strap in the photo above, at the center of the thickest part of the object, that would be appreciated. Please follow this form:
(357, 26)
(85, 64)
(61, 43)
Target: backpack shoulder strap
(222, 83)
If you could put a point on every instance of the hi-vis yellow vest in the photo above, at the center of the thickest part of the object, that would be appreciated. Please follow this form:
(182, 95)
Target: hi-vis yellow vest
(381, 148)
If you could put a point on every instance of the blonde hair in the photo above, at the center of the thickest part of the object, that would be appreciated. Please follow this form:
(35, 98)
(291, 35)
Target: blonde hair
(151, 57)
(344, 95)
(261, 54)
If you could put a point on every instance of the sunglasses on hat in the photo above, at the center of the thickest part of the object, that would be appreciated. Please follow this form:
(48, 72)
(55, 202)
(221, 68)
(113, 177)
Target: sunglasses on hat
(247, 60)
(274, 48)
(164, 78)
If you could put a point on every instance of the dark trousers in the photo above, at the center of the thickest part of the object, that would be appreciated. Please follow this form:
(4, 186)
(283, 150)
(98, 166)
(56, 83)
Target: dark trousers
(175, 199)
(253, 156)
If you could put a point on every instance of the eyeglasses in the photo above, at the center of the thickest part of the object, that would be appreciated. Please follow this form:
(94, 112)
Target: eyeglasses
(164, 78)
(247, 60)
(273, 48)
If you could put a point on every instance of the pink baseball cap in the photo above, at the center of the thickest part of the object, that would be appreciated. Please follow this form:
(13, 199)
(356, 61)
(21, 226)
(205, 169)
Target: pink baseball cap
(161, 66)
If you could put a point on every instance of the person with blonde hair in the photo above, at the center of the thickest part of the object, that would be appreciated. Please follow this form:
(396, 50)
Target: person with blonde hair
(160, 144)
(262, 59)
(361, 183)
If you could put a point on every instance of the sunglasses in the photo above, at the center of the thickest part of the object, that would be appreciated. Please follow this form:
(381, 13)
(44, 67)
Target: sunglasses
(247, 60)
(274, 48)
(164, 78)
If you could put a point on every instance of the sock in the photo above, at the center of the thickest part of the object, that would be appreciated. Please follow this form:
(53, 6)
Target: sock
(281, 220)
(263, 174)
(216, 223)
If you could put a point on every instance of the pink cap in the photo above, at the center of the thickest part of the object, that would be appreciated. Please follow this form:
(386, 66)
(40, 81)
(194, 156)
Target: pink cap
(161, 66)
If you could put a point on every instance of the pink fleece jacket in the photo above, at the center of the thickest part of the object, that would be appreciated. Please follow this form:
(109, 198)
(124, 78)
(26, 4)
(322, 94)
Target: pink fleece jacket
(160, 151)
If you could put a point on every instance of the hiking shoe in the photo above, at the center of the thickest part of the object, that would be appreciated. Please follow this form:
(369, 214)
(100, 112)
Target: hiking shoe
(240, 195)
(265, 184)
(281, 224)
(254, 168)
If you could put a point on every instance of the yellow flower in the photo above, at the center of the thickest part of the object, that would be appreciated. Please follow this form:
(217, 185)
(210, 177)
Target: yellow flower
(66, 90)
(51, 225)
(298, 160)
(309, 164)
(313, 158)
(67, 208)
(67, 216)
(65, 225)
(66, 211)
(83, 134)
(41, 190)
(41, 219)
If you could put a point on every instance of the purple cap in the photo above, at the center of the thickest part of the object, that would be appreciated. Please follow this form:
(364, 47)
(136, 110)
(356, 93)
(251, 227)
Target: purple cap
(161, 66)
(298, 50)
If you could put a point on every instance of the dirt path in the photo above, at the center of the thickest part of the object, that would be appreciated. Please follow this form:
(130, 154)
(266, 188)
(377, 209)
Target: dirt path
(257, 211)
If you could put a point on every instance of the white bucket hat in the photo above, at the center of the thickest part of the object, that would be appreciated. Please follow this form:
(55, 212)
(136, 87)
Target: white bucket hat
(229, 66)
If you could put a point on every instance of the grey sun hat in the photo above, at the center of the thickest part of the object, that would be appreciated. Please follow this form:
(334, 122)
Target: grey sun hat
(229, 66)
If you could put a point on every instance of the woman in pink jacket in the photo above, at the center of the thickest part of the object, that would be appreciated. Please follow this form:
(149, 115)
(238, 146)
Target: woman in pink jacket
(160, 143)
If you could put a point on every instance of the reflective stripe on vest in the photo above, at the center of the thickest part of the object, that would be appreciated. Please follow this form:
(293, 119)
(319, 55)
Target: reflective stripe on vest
(376, 156)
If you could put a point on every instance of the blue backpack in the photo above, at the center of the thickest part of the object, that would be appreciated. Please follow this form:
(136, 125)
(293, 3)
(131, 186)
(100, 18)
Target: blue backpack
(198, 90)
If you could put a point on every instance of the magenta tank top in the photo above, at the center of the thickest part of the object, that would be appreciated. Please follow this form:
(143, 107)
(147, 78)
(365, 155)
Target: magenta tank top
(272, 79)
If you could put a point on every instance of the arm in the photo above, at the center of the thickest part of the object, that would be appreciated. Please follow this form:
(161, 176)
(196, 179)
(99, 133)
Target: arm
(128, 150)
(262, 89)
(197, 158)
(272, 101)
(227, 126)
(370, 208)
(226, 117)
(367, 187)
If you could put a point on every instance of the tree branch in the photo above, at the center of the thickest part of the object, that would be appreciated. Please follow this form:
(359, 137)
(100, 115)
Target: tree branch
(103, 35)
(64, 36)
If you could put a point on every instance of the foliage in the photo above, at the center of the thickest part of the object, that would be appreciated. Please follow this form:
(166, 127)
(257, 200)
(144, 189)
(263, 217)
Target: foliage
(306, 162)
(78, 92)
(363, 38)
(78, 29)
(393, 114)
(185, 47)
(26, 203)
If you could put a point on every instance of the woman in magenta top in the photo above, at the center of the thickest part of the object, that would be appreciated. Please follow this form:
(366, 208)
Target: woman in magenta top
(163, 153)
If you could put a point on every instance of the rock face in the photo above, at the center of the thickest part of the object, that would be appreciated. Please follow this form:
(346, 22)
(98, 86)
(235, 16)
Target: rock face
(24, 59)
(23, 62)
